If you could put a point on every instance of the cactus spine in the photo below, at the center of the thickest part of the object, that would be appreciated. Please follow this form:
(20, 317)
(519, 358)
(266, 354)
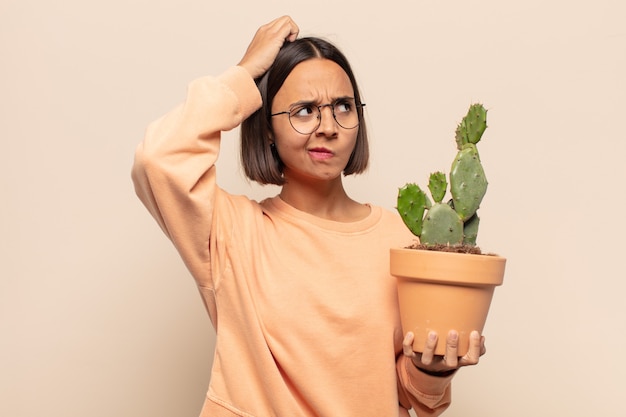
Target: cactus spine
(454, 222)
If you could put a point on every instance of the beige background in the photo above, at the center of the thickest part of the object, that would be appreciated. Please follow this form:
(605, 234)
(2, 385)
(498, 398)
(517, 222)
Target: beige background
(99, 317)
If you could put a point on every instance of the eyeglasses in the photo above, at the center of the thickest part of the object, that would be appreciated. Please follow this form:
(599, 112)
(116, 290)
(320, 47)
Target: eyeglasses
(305, 118)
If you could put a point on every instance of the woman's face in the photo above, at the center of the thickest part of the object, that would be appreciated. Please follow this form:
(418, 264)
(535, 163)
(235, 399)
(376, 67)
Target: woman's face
(324, 153)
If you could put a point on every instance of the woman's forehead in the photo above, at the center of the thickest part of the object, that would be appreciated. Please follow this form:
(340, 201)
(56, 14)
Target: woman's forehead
(316, 79)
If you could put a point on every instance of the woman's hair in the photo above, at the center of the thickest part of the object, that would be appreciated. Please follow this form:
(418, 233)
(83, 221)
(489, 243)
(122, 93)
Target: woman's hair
(260, 161)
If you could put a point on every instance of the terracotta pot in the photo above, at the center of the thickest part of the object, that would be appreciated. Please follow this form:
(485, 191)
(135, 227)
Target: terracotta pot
(442, 291)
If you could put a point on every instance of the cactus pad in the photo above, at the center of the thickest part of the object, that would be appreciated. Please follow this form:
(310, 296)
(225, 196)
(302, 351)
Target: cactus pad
(412, 203)
(437, 186)
(442, 225)
(470, 230)
(468, 183)
(472, 126)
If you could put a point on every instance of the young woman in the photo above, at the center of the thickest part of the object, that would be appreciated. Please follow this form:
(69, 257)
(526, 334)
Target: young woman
(297, 286)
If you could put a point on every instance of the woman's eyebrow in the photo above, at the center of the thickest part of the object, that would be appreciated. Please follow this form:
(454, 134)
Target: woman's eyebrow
(339, 98)
(302, 103)
(317, 102)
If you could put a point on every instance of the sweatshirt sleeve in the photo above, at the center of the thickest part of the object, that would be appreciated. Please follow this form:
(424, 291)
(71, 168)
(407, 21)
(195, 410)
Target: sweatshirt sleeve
(427, 395)
(174, 166)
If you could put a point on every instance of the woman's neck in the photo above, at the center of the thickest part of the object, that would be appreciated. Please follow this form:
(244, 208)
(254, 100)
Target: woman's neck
(327, 200)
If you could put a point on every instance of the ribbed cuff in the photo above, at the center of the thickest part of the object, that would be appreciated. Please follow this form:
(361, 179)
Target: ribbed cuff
(424, 383)
(244, 87)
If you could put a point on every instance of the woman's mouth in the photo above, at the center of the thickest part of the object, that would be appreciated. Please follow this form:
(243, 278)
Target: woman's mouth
(320, 153)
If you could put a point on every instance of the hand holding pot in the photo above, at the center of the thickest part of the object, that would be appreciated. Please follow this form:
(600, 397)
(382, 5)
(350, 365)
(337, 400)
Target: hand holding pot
(430, 363)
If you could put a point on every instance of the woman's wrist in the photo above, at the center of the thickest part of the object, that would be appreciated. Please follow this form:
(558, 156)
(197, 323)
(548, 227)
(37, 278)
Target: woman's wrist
(440, 374)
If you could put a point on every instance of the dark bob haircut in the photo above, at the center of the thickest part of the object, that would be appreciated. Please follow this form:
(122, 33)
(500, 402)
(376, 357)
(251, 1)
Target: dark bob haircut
(260, 161)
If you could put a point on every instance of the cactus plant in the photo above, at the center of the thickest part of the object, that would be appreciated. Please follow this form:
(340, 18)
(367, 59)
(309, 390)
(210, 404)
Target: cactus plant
(453, 223)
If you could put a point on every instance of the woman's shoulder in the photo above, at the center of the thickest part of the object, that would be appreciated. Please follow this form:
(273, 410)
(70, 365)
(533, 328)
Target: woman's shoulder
(388, 214)
(237, 203)
(393, 223)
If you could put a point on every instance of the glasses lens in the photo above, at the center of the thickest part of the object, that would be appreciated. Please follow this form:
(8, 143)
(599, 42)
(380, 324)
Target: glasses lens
(306, 119)
(346, 114)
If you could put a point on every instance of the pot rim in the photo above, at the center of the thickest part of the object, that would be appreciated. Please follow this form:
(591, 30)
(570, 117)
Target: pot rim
(447, 267)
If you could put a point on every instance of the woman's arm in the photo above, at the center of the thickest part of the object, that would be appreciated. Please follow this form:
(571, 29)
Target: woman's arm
(174, 172)
(424, 379)
(428, 395)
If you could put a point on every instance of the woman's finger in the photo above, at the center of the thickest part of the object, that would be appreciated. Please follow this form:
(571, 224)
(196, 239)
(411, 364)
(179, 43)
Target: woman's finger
(476, 349)
(429, 348)
(452, 347)
(407, 345)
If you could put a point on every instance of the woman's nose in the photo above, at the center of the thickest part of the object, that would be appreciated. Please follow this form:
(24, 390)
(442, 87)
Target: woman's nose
(328, 125)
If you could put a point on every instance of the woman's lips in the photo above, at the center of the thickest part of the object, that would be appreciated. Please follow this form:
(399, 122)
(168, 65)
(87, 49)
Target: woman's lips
(320, 153)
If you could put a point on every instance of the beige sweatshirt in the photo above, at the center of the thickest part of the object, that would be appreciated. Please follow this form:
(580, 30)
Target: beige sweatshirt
(304, 308)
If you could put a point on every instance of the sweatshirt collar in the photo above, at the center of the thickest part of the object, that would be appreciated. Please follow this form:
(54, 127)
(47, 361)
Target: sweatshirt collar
(276, 206)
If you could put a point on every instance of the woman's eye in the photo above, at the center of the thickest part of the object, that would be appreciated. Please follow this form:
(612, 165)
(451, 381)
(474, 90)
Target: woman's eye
(343, 107)
(304, 111)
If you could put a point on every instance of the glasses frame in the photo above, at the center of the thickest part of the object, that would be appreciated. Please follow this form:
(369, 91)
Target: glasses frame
(358, 106)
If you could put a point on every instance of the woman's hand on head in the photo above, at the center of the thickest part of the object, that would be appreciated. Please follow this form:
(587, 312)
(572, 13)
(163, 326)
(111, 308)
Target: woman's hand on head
(429, 362)
(266, 43)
